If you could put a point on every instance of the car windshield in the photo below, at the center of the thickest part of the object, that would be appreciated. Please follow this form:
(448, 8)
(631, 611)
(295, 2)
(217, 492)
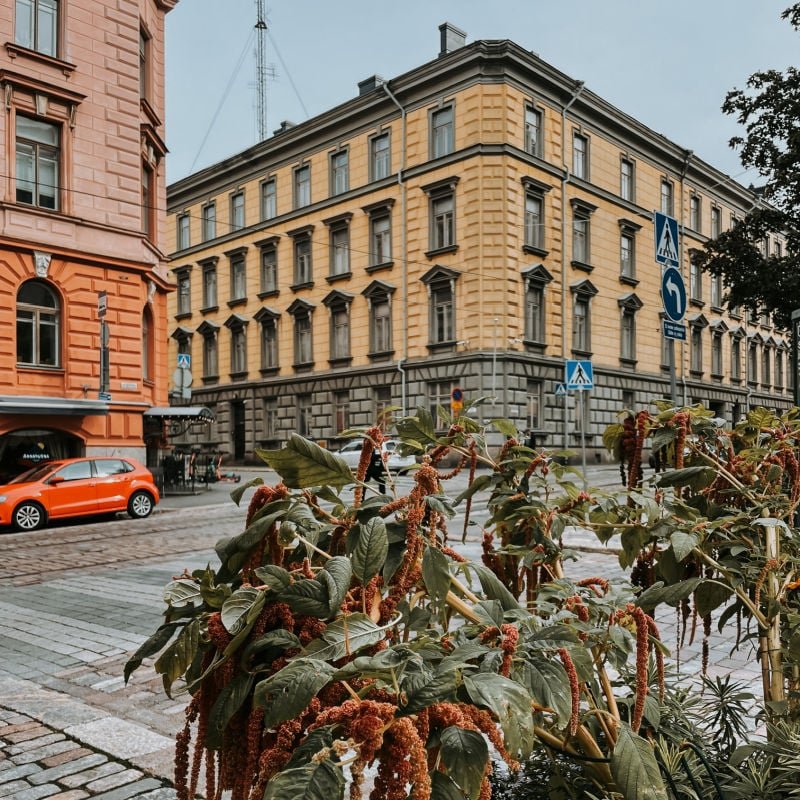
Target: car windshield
(37, 473)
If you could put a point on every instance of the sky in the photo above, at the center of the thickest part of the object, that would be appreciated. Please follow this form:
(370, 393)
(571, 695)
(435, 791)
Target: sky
(668, 64)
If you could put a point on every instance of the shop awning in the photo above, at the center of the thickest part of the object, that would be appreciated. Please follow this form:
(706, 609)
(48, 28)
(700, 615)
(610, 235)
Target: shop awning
(52, 406)
(182, 413)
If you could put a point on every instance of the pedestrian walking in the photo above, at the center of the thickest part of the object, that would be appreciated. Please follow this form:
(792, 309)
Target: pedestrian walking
(376, 470)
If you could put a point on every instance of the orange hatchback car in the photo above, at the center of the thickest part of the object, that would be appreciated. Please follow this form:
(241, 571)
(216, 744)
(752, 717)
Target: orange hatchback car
(77, 487)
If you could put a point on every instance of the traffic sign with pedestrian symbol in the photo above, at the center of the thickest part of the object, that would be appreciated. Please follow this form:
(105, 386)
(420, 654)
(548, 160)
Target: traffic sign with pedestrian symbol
(184, 361)
(561, 389)
(579, 375)
(666, 240)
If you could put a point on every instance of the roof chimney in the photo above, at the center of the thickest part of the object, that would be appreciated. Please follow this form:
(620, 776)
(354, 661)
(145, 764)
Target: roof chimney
(283, 127)
(369, 84)
(451, 38)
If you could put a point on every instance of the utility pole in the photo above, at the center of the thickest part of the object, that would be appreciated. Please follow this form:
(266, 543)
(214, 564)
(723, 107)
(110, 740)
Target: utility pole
(262, 70)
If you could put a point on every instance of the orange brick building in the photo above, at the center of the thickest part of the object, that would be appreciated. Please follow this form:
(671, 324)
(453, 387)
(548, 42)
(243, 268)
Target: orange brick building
(83, 284)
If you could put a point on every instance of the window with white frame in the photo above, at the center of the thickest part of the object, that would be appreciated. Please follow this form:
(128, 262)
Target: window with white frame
(627, 250)
(302, 186)
(341, 411)
(340, 172)
(534, 216)
(627, 180)
(442, 222)
(696, 348)
(380, 239)
(382, 398)
(339, 247)
(752, 361)
(580, 156)
(38, 148)
(535, 280)
(209, 214)
(184, 291)
(268, 267)
(238, 268)
(533, 130)
(716, 353)
(237, 211)
(534, 411)
(442, 132)
(36, 26)
(209, 283)
(716, 222)
(379, 157)
(695, 218)
(582, 294)
(38, 325)
(766, 366)
(667, 191)
(779, 368)
(269, 199)
(439, 398)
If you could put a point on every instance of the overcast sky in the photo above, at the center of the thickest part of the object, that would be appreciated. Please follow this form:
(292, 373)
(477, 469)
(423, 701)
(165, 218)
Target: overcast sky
(667, 64)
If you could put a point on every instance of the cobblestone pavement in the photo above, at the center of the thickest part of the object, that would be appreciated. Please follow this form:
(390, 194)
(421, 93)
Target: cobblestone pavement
(76, 601)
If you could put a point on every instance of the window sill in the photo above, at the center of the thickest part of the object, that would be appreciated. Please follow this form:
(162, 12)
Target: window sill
(267, 371)
(628, 362)
(339, 276)
(295, 287)
(238, 376)
(210, 380)
(696, 302)
(582, 266)
(717, 309)
(184, 315)
(628, 280)
(435, 347)
(41, 368)
(697, 374)
(238, 301)
(535, 251)
(582, 355)
(717, 376)
(377, 267)
(734, 316)
(440, 251)
(270, 293)
(381, 355)
(534, 346)
(736, 381)
(209, 309)
(346, 361)
(15, 50)
(303, 366)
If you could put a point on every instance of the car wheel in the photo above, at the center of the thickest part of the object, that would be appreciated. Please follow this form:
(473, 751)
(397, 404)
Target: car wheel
(28, 517)
(140, 505)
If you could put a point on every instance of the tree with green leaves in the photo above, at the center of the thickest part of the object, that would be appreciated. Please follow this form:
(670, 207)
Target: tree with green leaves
(769, 110)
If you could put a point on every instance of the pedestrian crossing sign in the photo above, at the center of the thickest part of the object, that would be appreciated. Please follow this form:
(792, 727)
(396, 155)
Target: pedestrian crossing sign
(579, 375)
(666, 240)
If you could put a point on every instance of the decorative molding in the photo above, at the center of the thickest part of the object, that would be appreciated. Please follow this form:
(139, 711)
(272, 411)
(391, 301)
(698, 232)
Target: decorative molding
(41, 263)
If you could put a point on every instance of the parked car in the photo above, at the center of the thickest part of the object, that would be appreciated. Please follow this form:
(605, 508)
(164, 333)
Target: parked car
(77, 487)
(351, 453)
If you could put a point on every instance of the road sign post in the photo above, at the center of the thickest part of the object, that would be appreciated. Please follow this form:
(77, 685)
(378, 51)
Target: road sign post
(579, 375)
(673, 296)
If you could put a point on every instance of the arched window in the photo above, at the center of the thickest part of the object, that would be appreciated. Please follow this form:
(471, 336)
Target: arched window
(38, 325)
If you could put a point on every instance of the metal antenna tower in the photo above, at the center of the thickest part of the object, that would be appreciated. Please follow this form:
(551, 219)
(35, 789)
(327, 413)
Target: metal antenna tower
(262, 71)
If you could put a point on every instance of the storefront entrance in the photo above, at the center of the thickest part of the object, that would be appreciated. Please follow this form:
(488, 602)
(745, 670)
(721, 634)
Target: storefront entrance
(23, 449)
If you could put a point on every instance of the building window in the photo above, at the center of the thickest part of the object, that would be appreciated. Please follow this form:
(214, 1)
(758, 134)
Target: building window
(379, 157)
(338, 304)
(439, 398)
(36, 25)
(144, 66)
(752, 362)
(778, 252)
(533, 131)
(382, 397)
(268, 271)
(441, 295)
(627, 184)
(695, 220)
(716, 354)
(302, 186)
(627, 255)
(629, 305)
(37, 164)
(338, 245)
(269, 199)
(779, 369)
(736, 358)
(183, 231)
(696, 347)
(536, 280)
(210, 334)
(184, 292)
(38, 325)
(210, 284)
(303, 333)
(580, 156)
(340, 172)
(667, 206)
(535, 405)
(695, 282)
(443, 231)
(341, 412)
(268, 321)
(238, 263)
(766, 367)
(209, 221)
(442, 133)
(237, 211)
(270, 417)
(581, 233)
(716, 222)
(379, 298)
(716, 291)
(534, 224)
(304, 415)
(303, 268)
(380, 232)
(238, 327)
(582, 294)
(148, 199)
(148, 345)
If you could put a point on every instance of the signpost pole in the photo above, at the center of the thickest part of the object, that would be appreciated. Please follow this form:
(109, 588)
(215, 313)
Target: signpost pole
(584, 422)
(673, 383)
(796, 354)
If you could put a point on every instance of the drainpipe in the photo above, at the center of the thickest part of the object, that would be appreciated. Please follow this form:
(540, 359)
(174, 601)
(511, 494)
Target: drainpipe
(564, 181)
(687, 158)
(403, 245)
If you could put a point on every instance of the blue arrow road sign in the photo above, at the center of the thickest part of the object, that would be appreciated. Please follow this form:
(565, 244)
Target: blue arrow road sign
(184, 361)
(579, 375)
(666, 240)
(673, 294)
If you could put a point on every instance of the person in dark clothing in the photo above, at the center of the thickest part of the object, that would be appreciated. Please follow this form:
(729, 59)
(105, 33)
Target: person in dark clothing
(376, 470)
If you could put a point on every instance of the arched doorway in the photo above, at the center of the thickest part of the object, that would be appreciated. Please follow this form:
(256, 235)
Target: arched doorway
(27, 447)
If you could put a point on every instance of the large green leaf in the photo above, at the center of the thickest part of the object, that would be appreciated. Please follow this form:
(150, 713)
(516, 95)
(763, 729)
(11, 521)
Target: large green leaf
(314, 781)
(511, 705)
(149, 648)
(635, 768)
(182, 592)
(493, 588)
(682, 544)
(464, 755)
(694, 477)
(303, 464)
(419, 428)
(235, 609)
(175, 660)
(238, 492)
(287, 692)
(480, 483)
(228, 702)
(710, 595)
(317, 740)
(336, 575)
(437, 689)
(436, 574)
(659, 593)
(344, 636)
(277, 578)
(266, 648)
(443, 787)
(370, 550)
(307, 596)
(547, 683)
